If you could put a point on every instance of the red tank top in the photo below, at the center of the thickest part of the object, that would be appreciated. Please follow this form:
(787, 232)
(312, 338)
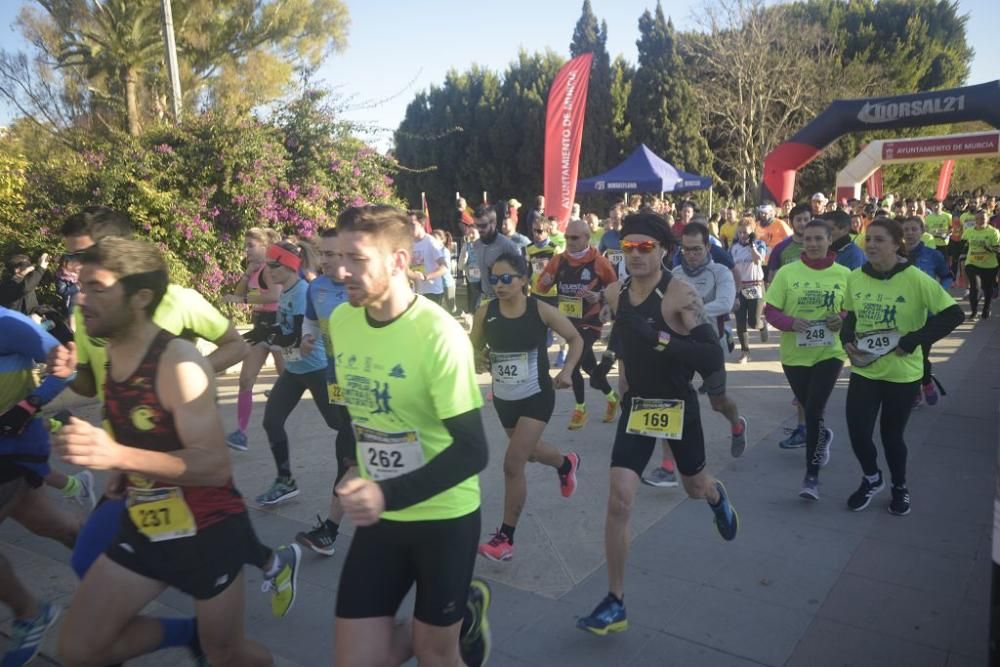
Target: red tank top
(138, 420)
(254, 288)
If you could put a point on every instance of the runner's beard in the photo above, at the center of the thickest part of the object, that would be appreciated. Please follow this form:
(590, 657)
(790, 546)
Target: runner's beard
(366, 297)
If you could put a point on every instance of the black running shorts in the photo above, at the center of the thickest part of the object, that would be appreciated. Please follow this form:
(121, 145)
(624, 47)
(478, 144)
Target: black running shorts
(538, 406)
(633, 451)
(385, 560)
(201, 566)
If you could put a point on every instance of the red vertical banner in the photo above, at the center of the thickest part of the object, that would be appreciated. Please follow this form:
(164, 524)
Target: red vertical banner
(944, 180)
(563, 134)
(874, 184)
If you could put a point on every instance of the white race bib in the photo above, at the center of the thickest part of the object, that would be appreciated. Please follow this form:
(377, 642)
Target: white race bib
(817, 335)
(510, 368)
(472, 274)
(752, 292)
(615, 256)
(291, 354)
(879, 343)
(388, 455)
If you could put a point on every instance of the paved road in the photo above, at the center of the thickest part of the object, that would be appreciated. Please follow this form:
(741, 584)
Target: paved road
(803, 584)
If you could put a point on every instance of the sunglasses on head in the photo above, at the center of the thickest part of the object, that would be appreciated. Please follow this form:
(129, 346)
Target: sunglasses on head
(505, 278)
(274, 265)
(644, 247)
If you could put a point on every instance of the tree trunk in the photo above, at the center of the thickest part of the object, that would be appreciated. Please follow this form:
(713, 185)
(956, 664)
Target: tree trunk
(131, 100)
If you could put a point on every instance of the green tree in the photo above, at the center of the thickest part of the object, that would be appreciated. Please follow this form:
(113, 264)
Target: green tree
(598, 148)
(622, 73)
(233, 54)
(662, 109)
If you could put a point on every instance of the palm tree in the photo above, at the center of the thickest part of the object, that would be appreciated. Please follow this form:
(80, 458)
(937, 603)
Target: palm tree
(121, 40)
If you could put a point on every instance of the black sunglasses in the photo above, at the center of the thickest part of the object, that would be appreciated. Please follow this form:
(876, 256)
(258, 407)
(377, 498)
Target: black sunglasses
(505, 278)
(274, 265)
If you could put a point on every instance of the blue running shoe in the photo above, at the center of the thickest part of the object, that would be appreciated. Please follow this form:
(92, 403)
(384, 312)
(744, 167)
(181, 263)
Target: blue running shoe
(237, 440)
(795, 440)
(26, 636)
(727, 521)
(609, 616)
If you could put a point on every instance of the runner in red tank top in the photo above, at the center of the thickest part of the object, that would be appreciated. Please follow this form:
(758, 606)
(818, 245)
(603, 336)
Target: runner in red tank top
(187, 527)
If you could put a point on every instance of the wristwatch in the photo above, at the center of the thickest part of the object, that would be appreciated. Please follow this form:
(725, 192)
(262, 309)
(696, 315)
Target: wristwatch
(31, 404)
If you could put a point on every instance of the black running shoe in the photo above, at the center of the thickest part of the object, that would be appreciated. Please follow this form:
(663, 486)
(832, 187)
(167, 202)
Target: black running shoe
(900, 504)
(320, 539)
(860, 498)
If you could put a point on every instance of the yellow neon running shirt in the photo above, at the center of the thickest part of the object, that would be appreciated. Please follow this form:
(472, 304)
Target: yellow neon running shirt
(898, 304)
(983, 244)
(407, 377)
(183, 312)
(810, 294)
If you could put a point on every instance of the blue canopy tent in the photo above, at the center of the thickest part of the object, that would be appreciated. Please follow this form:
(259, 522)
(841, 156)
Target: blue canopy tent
(644, 171)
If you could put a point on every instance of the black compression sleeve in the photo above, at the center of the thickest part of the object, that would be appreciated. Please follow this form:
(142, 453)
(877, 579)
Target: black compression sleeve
(284, 340)
(937, 327)
(847, 331)
(466, 456)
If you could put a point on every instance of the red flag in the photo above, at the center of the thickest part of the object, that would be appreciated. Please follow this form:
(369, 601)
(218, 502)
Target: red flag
(427, 212)
(563, 134)
(944, 180)
(874, 184)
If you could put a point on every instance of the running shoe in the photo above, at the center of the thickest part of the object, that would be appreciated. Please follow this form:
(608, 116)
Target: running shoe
(796, 439)
(87, 498)
(660, 477)
(608, 616)
(727, 521)
(560, 359)
(860, 498)
(985, 315)
(900, 503)
(282, 585)
(930, 393)
(578, 419)
(498, 548)
(475, 643)
(26, 636)
(764, 331)
(320, 539)
(822, 455)
(237, 440)
(283, 489)
(567, 482)
(739, 441)
(744, 358)
(611, 409)
(810, 488)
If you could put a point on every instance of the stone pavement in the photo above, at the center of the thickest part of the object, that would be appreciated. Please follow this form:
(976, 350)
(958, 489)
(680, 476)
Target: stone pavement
(803, 584)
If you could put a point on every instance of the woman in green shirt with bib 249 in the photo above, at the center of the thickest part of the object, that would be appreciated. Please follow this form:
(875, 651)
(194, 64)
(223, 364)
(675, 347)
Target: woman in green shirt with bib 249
(981, 263)
(892, 307)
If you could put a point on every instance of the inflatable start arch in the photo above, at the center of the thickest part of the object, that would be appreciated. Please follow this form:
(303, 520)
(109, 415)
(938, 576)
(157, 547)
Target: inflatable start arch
(918, 149)
(981, 102)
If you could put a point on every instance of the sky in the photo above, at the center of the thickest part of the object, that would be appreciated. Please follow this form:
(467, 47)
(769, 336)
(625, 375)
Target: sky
(397, 48)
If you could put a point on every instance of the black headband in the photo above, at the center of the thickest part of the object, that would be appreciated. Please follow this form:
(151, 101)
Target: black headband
(651, 225)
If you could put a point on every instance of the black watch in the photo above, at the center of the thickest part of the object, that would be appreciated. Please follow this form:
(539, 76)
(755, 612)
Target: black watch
(34, 401)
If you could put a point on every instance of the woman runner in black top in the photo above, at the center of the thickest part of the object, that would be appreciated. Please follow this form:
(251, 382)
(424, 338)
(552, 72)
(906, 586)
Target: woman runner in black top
(514, 327)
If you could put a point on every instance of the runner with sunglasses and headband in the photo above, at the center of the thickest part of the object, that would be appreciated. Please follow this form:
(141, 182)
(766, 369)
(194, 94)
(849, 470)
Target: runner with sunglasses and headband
(580, 275)
(661, 339)
(514, 327)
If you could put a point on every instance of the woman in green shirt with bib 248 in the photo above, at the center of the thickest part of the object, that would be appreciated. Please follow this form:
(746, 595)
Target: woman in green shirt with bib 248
(892, 308)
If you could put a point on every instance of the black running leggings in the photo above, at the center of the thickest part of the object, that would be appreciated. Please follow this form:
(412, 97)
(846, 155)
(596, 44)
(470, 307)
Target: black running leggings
(926, 349)
(285, 395)
(598, 379)
(864, 399)
(812, 386)
(988, 278)
(747, 311)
